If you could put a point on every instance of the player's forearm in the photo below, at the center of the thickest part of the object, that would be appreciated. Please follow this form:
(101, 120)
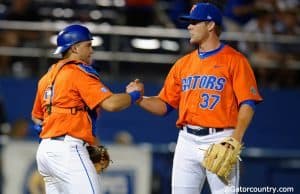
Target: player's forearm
(244, 118)
(153, 105)
(116, 102)
(37, 121)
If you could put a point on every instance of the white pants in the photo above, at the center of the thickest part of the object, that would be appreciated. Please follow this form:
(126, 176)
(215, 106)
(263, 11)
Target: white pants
(66, 167)
(188, 175)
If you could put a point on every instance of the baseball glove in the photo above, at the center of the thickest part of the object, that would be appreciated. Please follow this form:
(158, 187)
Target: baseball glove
(99, 156)
(221, 157)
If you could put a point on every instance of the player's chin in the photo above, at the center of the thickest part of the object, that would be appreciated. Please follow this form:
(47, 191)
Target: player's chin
(193, 41)
(88, 60)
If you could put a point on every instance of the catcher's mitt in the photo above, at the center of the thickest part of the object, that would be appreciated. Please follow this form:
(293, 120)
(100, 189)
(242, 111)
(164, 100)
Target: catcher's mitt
(99, 156)
(221, 157)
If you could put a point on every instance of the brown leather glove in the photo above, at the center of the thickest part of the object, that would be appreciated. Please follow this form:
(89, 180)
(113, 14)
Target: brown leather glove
(99, 156)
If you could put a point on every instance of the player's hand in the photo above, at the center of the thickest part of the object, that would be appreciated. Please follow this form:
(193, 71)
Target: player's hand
(135, 85)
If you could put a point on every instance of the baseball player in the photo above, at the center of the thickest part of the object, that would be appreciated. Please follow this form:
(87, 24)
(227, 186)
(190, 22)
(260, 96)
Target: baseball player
(215, 92)
(68, 100)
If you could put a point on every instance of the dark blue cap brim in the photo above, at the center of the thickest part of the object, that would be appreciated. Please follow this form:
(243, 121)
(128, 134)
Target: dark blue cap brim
(187, 18)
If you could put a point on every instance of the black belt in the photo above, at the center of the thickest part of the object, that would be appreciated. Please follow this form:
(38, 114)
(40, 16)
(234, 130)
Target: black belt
(202, 131)
(59, 138)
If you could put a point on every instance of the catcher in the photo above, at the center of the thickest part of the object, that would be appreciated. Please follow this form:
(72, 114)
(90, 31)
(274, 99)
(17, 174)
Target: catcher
(69, 98)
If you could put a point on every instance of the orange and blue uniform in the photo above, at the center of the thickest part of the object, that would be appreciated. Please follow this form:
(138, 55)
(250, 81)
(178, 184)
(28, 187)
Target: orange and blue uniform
(209, 88)
(73, 101)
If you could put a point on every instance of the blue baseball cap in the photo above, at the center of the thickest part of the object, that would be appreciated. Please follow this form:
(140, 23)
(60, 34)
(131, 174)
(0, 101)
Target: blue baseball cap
(204, 12)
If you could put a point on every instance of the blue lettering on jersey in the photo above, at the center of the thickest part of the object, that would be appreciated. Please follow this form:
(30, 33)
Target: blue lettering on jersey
(203, 81)
(210, 82)
(186, 83)
(195, 78)
(220, 83)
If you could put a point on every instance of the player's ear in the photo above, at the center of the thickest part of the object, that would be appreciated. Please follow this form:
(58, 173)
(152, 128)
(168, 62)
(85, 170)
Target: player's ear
(211, 25)
(74, 48)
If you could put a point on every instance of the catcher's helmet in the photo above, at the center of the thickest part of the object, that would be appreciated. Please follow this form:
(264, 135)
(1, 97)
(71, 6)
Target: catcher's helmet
(71, 35)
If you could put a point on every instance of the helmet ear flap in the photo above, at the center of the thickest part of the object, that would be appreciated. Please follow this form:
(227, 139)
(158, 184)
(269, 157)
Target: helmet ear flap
(71, 35)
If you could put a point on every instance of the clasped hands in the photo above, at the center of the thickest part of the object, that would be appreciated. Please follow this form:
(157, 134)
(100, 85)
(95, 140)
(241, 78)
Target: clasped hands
(135, 85)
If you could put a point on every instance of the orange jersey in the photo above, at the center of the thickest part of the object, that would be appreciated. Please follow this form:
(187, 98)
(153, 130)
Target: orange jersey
(208, 91)
(73, 87)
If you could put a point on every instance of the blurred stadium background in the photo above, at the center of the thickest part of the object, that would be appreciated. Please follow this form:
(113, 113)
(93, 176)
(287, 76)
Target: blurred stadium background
(142, 39)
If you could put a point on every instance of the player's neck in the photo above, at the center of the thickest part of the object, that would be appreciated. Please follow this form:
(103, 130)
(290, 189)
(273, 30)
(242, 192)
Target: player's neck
(210, 44)
(73, 57)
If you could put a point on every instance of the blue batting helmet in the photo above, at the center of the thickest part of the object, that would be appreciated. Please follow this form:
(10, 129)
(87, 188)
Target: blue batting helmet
(71, 35)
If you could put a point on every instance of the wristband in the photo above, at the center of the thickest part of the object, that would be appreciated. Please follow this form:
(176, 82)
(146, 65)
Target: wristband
(135, 95)
(37, 128)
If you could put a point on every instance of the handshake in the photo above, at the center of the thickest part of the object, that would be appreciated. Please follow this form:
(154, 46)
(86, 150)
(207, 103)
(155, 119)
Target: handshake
(136, 90)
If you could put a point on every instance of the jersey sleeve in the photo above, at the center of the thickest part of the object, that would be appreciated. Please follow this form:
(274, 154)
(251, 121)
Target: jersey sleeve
(92, 91)
(244, 83)
(37, 110)
(170, 93)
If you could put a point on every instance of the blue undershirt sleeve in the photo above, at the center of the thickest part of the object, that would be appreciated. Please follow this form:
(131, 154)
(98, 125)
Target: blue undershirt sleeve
(169, 109)
(251, 103)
